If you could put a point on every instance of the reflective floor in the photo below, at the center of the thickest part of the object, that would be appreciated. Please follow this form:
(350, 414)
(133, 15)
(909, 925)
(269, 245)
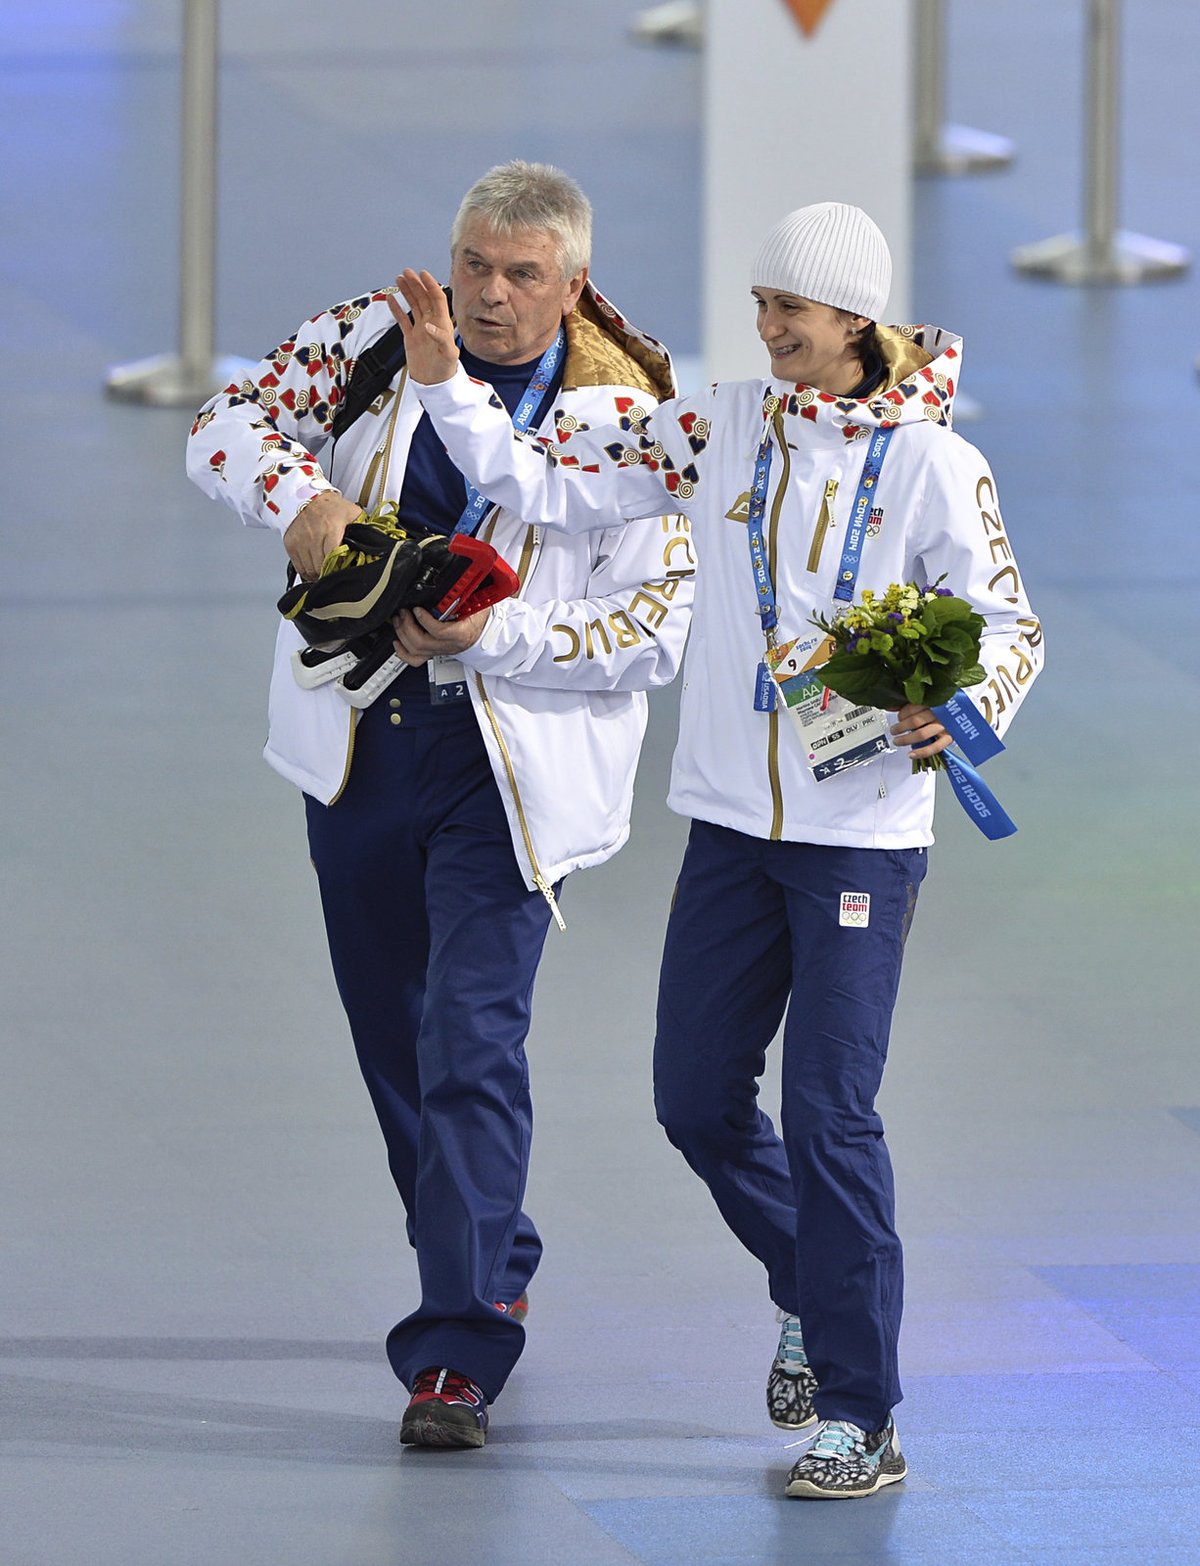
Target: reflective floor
(201, 1250)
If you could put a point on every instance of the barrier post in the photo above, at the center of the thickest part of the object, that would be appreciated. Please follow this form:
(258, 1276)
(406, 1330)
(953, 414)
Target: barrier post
(1103, 253)
(192, 375)
(939, 148)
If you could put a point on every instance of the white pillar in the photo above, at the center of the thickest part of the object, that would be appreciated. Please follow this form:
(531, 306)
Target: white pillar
(789, 120)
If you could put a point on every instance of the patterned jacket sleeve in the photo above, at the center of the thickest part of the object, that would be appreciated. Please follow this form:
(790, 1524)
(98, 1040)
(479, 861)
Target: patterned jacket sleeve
(255, 444)
(626, 634)
(644, 464)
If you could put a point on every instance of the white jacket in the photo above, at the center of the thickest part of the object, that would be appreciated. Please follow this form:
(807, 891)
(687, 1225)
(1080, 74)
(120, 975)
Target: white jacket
(936, 514)
(558, 677)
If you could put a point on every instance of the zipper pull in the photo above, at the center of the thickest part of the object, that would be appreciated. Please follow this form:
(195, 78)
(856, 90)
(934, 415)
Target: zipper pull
(547, 892)
(824, 523)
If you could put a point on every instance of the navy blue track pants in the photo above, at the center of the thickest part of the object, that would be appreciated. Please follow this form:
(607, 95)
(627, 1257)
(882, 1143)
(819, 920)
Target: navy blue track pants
(435, 942)
(759, 928)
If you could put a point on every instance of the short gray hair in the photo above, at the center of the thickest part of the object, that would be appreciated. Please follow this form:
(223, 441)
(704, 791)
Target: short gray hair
(521, 195)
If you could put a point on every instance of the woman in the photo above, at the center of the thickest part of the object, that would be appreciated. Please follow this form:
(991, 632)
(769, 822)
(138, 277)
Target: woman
(808, 846)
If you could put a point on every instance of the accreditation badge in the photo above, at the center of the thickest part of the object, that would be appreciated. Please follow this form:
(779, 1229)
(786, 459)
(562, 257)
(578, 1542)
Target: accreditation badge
(447, 680)
(836, 735)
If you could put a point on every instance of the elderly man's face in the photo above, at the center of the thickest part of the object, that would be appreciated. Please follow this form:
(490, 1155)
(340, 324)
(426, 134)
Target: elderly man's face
(509, 292)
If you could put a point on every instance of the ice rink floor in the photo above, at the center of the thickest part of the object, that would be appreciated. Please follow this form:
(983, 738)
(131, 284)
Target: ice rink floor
(201, 1250)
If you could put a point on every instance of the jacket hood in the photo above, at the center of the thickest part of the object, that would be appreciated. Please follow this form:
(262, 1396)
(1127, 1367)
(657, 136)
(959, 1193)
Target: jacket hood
(922, 366)
(603, 349)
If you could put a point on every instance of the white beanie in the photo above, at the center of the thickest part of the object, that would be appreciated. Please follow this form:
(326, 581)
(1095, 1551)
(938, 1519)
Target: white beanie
(831, 253)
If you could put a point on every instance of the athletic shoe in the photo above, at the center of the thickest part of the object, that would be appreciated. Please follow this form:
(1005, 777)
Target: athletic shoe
(791, 1383)
(445, 1410)
(845, 1461)
(518, 1310)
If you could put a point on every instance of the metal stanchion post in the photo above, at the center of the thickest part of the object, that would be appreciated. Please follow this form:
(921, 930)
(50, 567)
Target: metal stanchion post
(1104, 254)
(192, 375)
(939, 148)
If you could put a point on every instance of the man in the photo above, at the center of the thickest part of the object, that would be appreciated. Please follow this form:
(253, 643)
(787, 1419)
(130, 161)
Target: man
(443, 816)
(808, 844)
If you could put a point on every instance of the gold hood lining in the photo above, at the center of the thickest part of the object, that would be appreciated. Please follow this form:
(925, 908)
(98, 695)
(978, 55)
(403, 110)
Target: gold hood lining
(901, 356)
(602, 353)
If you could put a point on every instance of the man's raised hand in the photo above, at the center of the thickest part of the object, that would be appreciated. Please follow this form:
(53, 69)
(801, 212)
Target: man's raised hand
(429, 337)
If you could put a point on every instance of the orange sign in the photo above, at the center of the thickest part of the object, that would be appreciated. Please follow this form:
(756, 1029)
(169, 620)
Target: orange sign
(809, 13)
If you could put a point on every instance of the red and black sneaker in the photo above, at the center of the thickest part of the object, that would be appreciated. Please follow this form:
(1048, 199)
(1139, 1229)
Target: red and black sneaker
(445, 1409)
(518, 1310)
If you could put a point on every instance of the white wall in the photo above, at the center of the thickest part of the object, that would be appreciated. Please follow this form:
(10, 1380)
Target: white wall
(789, 120)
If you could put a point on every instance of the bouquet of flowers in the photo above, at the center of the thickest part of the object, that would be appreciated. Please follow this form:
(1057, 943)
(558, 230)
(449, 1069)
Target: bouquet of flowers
(912, 644)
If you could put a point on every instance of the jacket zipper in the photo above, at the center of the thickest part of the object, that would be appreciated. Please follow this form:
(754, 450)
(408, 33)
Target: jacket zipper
(539, 880)
(531, 538)
(824, 523)
(384, 449)
(531, 541)
(772, 565)
(341, 788)
(364, 499)
(773, 771)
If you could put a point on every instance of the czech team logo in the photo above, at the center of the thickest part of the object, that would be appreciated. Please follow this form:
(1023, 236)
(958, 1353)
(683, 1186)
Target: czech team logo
(856, 909)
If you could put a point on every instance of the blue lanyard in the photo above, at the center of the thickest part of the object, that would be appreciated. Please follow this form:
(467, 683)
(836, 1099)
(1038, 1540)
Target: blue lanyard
(859, 514)
(758, 555)
(852, 550)
(530, 402)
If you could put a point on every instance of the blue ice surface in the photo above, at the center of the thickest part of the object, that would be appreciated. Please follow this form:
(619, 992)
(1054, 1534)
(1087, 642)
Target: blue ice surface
(1154, 1307)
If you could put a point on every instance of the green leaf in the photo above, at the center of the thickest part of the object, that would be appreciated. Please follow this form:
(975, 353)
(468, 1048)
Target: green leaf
(860, 680)
(915, 688)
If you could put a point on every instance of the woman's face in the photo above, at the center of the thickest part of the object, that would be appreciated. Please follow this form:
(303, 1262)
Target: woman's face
(809, 342)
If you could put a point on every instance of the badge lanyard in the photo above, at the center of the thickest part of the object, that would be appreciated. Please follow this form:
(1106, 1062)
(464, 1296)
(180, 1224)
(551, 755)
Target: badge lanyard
(530, 402)
(848, 568)
(447, 677)
(754, 529)
(859, 513)
(960, 717)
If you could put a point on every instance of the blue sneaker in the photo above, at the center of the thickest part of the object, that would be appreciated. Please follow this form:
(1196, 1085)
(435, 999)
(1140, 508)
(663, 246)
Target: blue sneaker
(845, 1461)
(791, 1384)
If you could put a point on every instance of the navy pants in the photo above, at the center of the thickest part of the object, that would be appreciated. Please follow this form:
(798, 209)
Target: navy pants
(759, 928)
(435, 942)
